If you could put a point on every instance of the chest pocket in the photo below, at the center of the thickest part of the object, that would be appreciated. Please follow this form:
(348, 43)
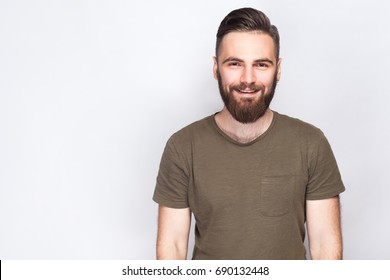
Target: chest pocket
(277, 195)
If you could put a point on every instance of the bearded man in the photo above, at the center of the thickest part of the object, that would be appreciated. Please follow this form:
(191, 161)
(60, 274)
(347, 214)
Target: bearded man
(255, 180)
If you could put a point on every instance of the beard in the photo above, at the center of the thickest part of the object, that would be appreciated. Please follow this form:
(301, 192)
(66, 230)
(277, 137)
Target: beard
(246, 110)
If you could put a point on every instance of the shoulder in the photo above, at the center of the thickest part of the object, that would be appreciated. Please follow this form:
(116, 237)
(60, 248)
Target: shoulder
(192, 130)
(297, 128)
(184, 138)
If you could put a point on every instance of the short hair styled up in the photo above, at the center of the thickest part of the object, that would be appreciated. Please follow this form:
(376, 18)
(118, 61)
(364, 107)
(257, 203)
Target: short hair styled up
(246, 20)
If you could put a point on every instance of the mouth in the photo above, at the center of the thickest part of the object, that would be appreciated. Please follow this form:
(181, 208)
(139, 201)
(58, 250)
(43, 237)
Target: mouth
(246, 92)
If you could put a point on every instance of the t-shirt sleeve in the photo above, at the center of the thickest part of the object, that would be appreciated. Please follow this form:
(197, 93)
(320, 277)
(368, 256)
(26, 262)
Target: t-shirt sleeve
(173, 178)
(324, 176)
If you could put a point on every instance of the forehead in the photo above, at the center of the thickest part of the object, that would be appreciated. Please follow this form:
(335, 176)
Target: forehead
(247, 46)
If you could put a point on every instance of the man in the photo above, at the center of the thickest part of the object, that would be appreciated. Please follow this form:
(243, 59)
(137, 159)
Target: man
(252, 177)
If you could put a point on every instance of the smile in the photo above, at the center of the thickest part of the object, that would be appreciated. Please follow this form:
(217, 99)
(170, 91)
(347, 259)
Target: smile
(246, 91)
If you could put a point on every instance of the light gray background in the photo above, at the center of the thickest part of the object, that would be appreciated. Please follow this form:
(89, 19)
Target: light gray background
(90, 91)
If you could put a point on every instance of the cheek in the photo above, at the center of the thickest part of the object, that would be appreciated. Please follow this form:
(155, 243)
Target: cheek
(266, 80)
(230, 79)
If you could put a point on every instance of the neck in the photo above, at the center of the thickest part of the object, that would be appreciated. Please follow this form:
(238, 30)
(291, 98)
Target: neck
(240, 132)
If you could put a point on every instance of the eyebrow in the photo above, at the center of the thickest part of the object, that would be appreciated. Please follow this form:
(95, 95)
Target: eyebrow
(235, 59)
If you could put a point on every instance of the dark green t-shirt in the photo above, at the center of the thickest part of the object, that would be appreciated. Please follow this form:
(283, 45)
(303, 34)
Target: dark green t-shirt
(248, 200)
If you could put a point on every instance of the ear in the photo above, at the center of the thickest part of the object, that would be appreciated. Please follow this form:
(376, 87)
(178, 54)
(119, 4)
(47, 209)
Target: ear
(215, 68)
(279, 64)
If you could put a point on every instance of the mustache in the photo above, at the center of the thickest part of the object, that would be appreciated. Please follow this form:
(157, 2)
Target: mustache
(248, 87)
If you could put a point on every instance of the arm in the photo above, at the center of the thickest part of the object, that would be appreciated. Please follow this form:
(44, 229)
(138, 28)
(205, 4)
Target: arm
(324, 229)
(173, 231)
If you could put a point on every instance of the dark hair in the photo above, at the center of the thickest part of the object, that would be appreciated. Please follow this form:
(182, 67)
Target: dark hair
(244, 20)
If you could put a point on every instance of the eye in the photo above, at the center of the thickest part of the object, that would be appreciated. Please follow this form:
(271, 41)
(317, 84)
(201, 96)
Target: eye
(261, 65)
(234, 64)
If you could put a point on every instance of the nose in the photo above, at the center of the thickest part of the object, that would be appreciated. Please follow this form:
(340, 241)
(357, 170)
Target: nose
(248, 75)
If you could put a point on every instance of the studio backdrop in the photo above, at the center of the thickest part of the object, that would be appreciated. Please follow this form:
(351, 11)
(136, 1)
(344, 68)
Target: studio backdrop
(90, 91)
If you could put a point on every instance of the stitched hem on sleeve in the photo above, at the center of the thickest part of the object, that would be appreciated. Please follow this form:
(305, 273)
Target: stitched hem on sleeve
(170, 204)
(325, 195)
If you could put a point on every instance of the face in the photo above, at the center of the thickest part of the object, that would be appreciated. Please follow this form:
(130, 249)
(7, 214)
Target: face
(247, 72)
